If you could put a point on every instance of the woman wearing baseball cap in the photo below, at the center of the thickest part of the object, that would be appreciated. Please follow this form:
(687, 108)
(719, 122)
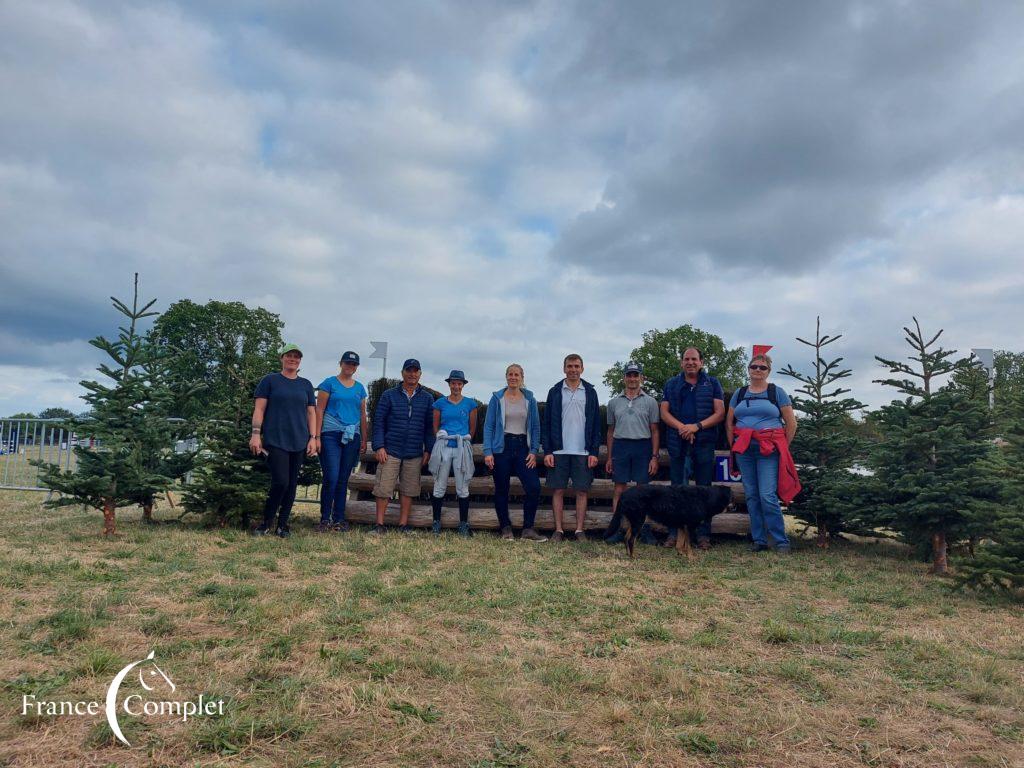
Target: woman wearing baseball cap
(342, 429)
(283, 430)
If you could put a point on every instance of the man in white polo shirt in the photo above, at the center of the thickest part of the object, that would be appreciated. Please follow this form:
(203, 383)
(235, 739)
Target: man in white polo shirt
(571, 437)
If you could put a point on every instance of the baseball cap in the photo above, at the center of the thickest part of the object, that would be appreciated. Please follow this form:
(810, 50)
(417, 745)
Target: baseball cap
(350, 357)
(632, 367)
(412, 362)
(289, 348)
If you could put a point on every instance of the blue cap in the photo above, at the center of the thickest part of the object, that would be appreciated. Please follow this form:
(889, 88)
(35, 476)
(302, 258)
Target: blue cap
(457, 374)
(632, 367)
(350, 357)
(412, 362)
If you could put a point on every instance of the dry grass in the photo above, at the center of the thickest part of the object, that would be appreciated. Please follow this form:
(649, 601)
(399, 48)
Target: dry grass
(414, 651)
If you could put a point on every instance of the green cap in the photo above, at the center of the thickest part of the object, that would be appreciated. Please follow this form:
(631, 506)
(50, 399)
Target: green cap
(289, 348)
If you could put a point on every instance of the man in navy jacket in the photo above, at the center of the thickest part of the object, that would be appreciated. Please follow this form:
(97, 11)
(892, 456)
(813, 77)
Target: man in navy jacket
(570, 434)
(692, 408)
(403, 433)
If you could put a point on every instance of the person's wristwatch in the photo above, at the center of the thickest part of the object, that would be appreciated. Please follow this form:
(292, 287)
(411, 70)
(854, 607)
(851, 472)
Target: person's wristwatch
(700, 427)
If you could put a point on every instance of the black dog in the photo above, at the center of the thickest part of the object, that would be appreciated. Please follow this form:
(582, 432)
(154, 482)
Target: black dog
(683, 507)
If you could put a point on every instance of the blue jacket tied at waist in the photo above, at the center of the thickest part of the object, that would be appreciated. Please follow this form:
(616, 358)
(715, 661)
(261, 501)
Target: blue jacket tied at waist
(404, 426)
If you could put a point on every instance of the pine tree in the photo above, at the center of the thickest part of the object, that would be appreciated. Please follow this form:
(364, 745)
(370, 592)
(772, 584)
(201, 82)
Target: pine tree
(825, 446)
(932, 456)
(132, 435)
(167, 388)
(228, 482)
(999, 560)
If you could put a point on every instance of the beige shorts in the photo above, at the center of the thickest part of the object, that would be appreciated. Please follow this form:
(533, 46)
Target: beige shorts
(405, 473)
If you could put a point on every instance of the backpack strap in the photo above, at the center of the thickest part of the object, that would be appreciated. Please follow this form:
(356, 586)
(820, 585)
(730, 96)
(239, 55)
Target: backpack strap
(773, 396)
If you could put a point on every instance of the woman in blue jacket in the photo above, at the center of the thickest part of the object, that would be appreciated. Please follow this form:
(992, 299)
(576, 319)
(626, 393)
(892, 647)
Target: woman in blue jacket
(511, 442)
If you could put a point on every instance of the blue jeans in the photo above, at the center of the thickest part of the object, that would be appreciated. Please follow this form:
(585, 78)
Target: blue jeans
(511, 461)
(337, 461)
(761, 485)
(698, 462)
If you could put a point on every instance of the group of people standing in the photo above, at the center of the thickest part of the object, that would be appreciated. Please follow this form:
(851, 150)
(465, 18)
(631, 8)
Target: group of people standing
(412, 429)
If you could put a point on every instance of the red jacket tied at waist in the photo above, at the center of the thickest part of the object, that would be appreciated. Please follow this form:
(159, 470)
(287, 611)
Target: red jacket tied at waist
(772, 440)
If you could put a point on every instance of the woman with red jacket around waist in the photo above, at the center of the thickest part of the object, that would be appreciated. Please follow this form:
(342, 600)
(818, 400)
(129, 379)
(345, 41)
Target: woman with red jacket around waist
(759, 425)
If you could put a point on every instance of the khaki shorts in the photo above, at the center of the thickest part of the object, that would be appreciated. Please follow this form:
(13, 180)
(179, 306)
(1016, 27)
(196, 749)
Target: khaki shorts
(405, 473)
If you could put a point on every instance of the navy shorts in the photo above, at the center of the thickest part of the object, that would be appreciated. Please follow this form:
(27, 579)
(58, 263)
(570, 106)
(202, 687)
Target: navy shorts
(570, 467)
(630, 460)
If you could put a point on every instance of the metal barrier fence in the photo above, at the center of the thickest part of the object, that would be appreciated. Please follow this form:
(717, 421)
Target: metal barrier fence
(22, 440)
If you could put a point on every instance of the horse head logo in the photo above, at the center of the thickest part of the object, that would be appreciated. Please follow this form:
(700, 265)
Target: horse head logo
(155, 674)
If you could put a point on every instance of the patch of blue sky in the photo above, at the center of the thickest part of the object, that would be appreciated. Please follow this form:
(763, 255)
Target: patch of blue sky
(489, 243)
(538, 223)
(268, 143)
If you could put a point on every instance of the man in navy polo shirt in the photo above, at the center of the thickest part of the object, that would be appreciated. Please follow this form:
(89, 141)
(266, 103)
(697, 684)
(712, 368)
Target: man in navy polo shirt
(692, 408)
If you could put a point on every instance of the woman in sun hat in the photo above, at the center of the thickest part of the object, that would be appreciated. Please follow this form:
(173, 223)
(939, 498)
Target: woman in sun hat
(342, 429)
(454, 425)
(284, 431)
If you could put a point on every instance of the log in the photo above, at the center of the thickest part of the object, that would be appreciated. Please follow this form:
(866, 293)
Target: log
(368, 457)
(484, 486)
(484, 518)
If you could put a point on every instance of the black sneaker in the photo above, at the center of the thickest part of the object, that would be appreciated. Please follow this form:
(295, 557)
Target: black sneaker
(260, 530)
(324, 527)
(340, 527)
(759, 547)
(405, 528)
(435, 528)
(284, 533)
(378, 530)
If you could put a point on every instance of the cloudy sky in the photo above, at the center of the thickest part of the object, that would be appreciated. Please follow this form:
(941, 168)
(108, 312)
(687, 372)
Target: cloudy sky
(481, 182)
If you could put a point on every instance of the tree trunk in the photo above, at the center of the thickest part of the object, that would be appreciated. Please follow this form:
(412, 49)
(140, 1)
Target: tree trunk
(940, 565)
(822, 541)
(109, 507)
(147, 512)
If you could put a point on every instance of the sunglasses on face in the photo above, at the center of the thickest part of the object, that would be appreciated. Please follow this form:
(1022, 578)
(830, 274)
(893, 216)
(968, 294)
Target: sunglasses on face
(758, 367)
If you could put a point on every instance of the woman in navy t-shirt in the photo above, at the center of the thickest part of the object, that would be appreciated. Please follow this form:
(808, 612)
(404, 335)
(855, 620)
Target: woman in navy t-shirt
(342, 430)
(283, 430)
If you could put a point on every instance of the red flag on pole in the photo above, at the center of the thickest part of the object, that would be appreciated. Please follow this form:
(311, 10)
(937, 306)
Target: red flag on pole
(761, 349)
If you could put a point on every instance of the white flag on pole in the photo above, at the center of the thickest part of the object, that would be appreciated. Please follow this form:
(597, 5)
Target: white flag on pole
(380, 350)
(986, 357)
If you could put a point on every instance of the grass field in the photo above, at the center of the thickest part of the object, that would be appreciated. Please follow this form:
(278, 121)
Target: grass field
(416, 651)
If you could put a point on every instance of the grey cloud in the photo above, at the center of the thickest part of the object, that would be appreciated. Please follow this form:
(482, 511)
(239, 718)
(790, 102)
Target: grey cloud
(365, 168)
(789, 132)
